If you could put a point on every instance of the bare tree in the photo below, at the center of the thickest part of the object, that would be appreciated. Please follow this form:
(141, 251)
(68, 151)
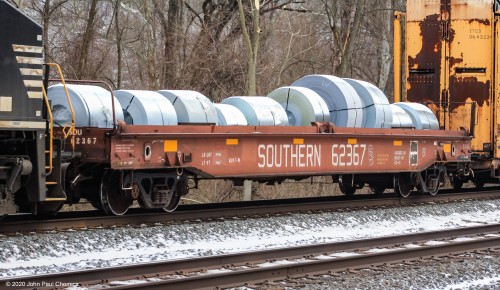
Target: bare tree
(344, 22)
(252, 41)
(45, 13)
(119, 35)
(87, 38)
(385, 45)
(170, 23)
(201, 45)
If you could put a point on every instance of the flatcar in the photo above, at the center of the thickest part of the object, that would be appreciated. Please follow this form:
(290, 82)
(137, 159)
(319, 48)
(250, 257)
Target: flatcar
(44, 166)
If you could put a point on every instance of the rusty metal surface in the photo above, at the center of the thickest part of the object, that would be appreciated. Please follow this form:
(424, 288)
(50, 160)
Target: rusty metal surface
(263, 151)
(91, 144)
(451, 63)
(255, 151)
(279, 271)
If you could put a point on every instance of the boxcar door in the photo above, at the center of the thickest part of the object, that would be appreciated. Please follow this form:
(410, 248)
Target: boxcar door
(469, 52)
(424, 53)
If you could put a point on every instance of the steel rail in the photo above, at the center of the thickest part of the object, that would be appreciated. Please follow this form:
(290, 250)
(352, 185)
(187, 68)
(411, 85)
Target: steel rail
(238, 209)
(300, 269)
(149, 269)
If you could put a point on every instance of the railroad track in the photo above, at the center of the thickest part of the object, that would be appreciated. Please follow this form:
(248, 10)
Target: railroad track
(232, 210)
(275, 264)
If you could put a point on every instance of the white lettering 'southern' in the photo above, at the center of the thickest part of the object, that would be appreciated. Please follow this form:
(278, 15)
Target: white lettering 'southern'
(287, 155)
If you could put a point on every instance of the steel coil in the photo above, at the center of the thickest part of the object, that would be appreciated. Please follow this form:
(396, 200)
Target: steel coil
(228, 115)
(421, 116)
(191, 106)
(344, 104)
(302, 105)
(259, 111)
(376, 110)
(400, 118)
(92, 106)
(146, 108)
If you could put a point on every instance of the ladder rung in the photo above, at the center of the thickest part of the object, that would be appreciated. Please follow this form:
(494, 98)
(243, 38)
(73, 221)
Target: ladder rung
(55, 199)
(47, 167)
(51, 182)
(47, 151)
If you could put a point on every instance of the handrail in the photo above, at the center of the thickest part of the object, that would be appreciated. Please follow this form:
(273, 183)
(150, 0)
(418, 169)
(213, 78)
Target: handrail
(72, 128)
(115, 125)
(51, 130)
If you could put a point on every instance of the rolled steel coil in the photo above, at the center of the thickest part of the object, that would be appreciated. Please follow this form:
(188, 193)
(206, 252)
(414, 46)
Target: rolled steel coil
(302, 105)
(191, 106)
(421, 116)
(259, 111)
(92, 106)
(146, 108)
(400, 118)
(229, 115)
(344, 104)
(376, 110)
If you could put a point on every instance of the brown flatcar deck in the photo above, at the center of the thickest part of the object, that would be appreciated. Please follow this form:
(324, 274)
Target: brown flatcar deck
(260, 151)
(153, 163)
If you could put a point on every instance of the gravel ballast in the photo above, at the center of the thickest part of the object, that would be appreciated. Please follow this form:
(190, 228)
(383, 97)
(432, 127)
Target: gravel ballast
(64, 251)
(467, 271)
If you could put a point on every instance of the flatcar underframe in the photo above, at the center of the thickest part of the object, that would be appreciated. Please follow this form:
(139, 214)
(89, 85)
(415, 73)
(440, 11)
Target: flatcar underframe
(152, 164)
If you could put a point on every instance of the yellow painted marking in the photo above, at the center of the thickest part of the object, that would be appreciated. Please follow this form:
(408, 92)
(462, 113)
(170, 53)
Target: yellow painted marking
(33, 84)
(170, 146)
(298, 141)
(55, 199)
(352, 141)
(447, 148)
(35, 95)
(398, 143)
(231, 141)
(27, 48)
(5, 104)
(29, 60)
(31, 72)
(22, 124)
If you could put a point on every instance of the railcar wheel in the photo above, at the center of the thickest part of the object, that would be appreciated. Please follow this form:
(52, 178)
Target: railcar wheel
(347, 185)
(347, 188)
(456, 183)
(377, 189)
(96, 204)
(114, 200)
(182, 188)
(403, 185)
(478, 184)
(435, 190)
(438, 182)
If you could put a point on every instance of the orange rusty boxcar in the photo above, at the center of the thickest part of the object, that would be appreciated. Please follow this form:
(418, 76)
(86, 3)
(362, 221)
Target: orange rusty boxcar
(451, 63)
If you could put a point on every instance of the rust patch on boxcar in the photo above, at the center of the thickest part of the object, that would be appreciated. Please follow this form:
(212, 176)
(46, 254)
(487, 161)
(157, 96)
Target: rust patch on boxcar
(451, 34)
(431, 44)
(454, 60)
(444, 3)
(481, 21)
(462, 88)
(424, 87)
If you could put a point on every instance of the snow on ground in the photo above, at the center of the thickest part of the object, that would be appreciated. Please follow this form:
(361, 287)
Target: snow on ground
(65, 251)
(475, 284)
